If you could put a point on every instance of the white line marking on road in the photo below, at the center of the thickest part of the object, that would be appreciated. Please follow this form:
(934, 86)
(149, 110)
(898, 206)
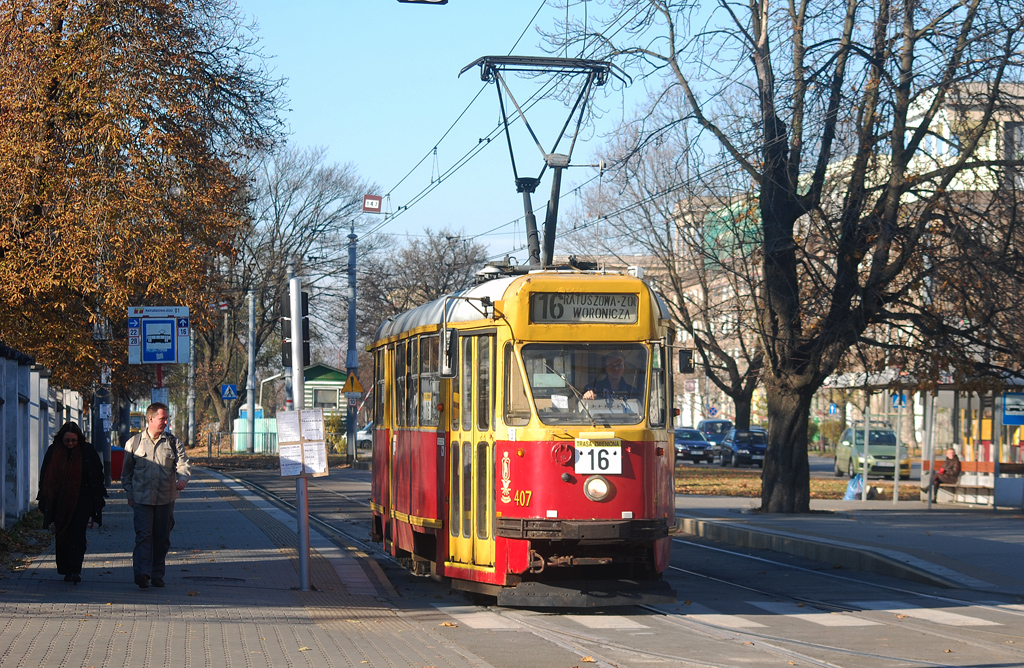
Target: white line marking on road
(928, 614)
(820, 617)
(707, 615)
(605, 622)
(475, 618)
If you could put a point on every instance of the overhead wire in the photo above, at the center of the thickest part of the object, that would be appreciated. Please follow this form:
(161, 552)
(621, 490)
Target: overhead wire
(479, 146)
(433, 150)
(461, 162)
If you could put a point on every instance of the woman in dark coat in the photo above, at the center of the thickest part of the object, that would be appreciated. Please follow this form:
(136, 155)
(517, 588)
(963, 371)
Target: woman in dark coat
(71, 491)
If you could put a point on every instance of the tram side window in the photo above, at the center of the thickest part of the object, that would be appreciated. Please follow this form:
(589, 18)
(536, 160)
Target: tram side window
(453, 413)
(483, 488)
(484, 365)
(412, 396)
(378, 378)
(400, 383)
(454, 507)
(517, 404)
(467, 489)
(429, 381)
(658, 365)
(467, 382)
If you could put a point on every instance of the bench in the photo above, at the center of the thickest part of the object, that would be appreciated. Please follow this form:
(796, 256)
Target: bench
(977, 483)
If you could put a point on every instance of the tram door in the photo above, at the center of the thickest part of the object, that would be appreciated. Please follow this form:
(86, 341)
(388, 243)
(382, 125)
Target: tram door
(471, 494)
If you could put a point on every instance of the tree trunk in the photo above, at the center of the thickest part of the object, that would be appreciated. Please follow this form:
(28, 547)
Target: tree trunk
(785, 483)
(742, 403)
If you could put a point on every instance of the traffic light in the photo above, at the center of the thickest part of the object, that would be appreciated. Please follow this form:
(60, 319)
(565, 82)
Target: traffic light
(286, 330)
(686, 361)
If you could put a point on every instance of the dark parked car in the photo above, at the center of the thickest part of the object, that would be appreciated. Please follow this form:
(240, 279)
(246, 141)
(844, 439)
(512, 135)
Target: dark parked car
(743, 446)
(691, 445)
(714, 430)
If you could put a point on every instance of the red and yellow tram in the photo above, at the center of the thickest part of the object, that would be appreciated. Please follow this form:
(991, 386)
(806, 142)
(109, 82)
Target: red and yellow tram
(522, 439)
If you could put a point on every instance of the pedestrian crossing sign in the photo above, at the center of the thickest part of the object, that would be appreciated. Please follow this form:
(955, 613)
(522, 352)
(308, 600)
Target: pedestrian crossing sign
(228, 392)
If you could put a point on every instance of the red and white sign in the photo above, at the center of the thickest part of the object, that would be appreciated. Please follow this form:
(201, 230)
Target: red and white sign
(372, 203)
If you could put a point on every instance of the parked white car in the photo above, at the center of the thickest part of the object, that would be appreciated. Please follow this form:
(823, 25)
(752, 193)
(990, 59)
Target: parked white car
(364, 437)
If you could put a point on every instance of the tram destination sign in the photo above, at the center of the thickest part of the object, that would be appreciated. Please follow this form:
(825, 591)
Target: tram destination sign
(574, 308)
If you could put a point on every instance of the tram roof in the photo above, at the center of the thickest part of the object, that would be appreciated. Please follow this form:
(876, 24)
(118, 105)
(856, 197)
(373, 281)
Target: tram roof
(461, 310)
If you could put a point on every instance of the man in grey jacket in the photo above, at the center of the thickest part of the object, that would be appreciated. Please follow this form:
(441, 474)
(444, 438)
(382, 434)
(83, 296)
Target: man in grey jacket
(155, 470)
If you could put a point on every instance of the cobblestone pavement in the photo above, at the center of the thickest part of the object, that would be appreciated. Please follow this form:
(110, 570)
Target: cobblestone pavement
(231, 598)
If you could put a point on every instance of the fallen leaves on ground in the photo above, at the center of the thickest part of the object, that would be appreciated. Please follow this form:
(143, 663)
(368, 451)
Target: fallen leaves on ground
(717, 481)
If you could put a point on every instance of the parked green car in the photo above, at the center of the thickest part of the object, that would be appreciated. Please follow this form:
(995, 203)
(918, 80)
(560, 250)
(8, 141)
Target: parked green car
(881, 453)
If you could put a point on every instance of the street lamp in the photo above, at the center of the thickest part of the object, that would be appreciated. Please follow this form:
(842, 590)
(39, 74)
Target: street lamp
(267, 380)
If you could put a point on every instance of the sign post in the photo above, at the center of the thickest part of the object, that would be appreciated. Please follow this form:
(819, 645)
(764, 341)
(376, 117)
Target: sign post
(1013, 408)
(159, 335)
(899, 402)
(302, 450)
(353, 391)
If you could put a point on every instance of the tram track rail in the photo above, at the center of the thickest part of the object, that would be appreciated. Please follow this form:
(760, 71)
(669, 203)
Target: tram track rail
(881, 617)
(796, 651)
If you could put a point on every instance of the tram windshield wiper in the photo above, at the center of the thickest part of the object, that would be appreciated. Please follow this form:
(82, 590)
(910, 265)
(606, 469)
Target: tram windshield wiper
(579, 395)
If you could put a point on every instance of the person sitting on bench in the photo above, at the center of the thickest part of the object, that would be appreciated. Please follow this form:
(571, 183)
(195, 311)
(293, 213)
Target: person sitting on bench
(949, 474)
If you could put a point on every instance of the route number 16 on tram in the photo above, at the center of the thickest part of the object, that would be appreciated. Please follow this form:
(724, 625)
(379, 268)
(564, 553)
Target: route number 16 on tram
(603, 456)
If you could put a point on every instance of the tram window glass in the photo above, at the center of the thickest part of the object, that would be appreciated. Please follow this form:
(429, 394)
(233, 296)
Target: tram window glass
(482, 488)
(378, 398)
(467, 489)
(413, 395)
(587, 383)
(455, 512)
(656, 417)
(429, 381)
(483, 394)
(453, 412)
(467, 382)
(517, 405)
(400, 383)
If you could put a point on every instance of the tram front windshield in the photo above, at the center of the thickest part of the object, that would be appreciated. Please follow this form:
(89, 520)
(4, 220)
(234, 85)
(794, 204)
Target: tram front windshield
(587, 384)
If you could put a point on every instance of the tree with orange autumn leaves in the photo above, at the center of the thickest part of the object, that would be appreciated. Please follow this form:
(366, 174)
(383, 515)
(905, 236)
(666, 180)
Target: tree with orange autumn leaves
(122, 126)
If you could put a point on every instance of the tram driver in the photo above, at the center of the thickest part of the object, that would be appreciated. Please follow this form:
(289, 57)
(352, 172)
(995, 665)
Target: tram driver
(611, 384)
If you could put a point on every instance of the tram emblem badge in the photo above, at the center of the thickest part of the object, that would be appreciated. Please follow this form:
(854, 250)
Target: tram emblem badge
(506, 478)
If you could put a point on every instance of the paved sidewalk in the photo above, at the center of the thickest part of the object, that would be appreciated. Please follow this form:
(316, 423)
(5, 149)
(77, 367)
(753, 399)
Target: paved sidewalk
(231, 598)
(958, 545)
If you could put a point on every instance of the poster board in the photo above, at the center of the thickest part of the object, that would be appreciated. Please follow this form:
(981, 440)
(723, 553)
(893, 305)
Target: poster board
(301, 445)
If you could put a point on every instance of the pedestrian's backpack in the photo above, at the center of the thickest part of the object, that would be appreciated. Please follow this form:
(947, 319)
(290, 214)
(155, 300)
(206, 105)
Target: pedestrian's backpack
(133, 443)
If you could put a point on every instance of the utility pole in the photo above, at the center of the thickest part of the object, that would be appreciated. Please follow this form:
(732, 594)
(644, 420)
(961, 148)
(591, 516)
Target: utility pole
(352, 361)
(190, 400)
(298, 403)
(250, 386)
(289, 404)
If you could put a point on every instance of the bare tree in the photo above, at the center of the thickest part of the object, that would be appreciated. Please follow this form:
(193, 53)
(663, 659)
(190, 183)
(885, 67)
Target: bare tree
(650, 203)
(881, 154)
(302, 210)
(405, 276)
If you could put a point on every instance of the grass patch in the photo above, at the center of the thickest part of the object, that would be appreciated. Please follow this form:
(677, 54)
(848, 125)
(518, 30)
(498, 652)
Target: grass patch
(25, 539)
(714, 481)
(246, 462)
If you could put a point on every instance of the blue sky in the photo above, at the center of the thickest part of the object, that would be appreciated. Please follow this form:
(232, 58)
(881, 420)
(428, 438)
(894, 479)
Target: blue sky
(376, 83)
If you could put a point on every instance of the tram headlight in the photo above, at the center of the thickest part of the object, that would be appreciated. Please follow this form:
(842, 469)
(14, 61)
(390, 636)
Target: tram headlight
(597, 488)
